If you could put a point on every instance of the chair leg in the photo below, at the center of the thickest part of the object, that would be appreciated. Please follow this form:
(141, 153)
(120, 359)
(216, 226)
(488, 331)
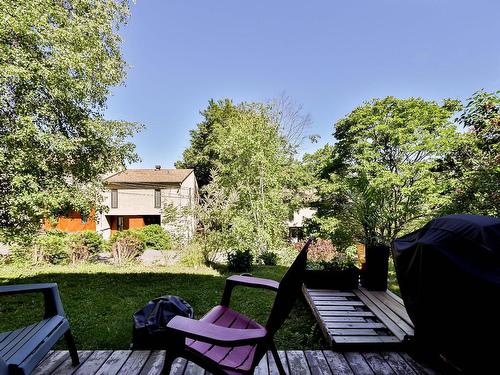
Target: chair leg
(167, 365)
(70, 342)
(277, 358)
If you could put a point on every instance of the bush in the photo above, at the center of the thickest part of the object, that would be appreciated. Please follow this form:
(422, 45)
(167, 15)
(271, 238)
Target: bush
(50, 247)
(155, 237)
(83, 245)
(269, 258)
(192, 256)
(320, 250)
(240, 261)
(126, 248)
(342, 260)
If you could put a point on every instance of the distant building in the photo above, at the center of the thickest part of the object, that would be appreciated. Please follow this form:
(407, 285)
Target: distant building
(136, 197)
(296, 225)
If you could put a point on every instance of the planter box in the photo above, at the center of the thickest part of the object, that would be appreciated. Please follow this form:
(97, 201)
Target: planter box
(344, 279)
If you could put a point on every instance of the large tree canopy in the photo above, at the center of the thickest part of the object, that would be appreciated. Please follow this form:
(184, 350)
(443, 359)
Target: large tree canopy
(58, 61)
(474, 165)
(379, 178)
(252, 176)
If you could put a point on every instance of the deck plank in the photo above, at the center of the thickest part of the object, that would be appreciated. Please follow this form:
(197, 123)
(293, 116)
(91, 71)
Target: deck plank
(67, 366)
(93, 362)
(193, 369)
(298, 363)
(178, 366)
(114, 363)
(369, 325)
(317, 362)
(337, 362)
(51, 362)
(377, 363)
(390, 324)
(312, 362)
(135, 362)
(262, 368)
(398, 364)
(358, 363)
(154, 364)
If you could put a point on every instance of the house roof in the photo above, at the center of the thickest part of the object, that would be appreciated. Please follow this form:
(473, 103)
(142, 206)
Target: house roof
(161, 176)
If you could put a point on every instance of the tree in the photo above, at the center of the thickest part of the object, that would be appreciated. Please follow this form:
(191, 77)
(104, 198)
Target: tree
(58, 61)
(252, 180)
(474, 165)
(201, 154)
(380, 179)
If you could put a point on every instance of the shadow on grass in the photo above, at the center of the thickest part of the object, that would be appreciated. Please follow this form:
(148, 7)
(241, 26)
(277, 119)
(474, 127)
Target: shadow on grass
(99, 305)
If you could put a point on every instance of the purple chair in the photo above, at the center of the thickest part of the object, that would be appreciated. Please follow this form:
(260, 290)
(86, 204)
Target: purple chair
(227, 342)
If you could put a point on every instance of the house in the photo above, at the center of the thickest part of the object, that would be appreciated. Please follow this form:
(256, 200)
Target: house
(136, 197)
(296, 225)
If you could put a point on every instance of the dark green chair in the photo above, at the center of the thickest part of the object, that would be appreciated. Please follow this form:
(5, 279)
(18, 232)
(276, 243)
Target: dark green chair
(22, 349)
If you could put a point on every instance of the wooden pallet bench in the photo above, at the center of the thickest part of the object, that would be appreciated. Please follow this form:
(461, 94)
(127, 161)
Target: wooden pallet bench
(296, 362)
(360, 317)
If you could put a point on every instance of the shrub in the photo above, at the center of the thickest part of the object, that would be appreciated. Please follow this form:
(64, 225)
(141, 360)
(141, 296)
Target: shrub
(82, 245)
(269, 258)
(320, 250)
(342, 260)
(192, 256)
(126, 248)
(50, 247)
(239, 261)
(155, 237)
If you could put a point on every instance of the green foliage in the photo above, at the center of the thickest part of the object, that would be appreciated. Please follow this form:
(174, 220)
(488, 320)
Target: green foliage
(82, 245)
(254, 180)
(58, 62)
(473, 166)
(380, 179)
(341, 260)
(201, 154)
(126, 248)
(240, 261)
(269, 258)
(50, 247)
(155, 237)
(192, 255)
(92, 240)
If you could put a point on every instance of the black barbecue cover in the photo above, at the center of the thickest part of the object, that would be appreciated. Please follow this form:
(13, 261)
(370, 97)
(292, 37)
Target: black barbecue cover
(449, 276)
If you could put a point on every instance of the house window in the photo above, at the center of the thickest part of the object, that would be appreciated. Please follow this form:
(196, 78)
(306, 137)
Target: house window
(120, 223)
(157, 198)
(114, 198)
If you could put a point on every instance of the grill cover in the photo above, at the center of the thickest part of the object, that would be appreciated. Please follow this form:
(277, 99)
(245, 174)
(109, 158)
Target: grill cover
(449, 276)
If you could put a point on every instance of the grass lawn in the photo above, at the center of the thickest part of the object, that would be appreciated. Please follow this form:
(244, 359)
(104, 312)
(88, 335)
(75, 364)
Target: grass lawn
(100, 299)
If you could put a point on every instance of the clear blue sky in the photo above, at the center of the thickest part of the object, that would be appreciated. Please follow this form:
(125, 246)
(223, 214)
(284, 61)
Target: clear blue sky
(329, 55)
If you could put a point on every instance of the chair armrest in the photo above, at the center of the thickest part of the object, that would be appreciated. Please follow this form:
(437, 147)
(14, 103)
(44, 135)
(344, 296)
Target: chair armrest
(213, 334)
(53, 304)
(253, 282)
(249, 281)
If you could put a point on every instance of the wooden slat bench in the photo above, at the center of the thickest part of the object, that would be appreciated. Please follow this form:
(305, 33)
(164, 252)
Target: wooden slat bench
(360, 317)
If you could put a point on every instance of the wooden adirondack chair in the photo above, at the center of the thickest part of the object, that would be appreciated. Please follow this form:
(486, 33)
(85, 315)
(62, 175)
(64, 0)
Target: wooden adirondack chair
(227, 342)
(21, 350)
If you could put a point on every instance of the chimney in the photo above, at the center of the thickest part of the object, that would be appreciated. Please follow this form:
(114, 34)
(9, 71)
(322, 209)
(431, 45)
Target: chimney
(157, 167)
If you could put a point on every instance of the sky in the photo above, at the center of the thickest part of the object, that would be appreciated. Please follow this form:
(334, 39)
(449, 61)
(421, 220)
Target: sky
(329, 56)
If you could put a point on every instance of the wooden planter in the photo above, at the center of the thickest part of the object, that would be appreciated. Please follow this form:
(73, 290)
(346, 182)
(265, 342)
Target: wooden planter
(341, 279)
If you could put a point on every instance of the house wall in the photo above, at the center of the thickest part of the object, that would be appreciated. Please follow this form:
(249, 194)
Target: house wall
(72, 223)
(140, 201)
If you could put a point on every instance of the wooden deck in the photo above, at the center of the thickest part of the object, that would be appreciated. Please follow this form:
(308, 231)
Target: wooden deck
(126, 362)
(360, 318)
